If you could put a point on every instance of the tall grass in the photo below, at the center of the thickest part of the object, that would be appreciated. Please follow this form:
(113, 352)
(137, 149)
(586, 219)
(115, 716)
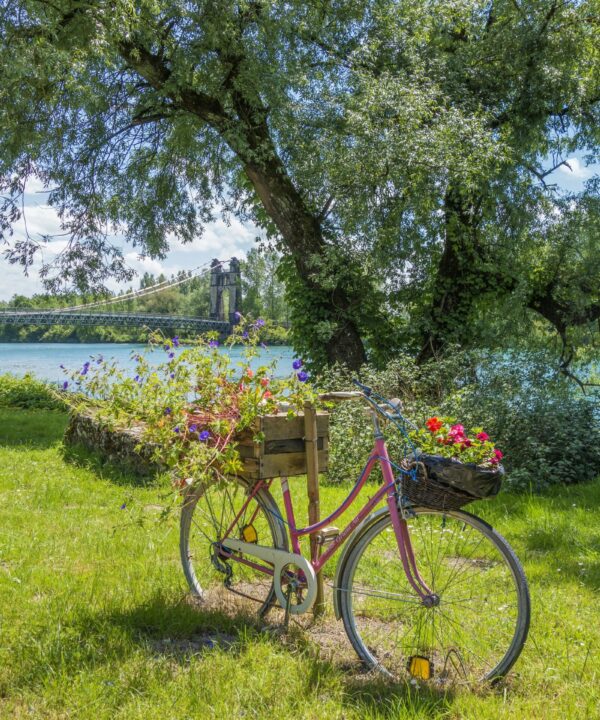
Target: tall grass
(94, 621)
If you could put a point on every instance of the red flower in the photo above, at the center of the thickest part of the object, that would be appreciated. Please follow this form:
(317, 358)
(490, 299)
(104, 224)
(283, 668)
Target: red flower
(499, 454)
(264, 382)
(483, 436)
(267, 394)
(434, 424)
(249, 373)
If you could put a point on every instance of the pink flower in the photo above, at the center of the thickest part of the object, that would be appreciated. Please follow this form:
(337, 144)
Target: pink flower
(499, 454)
(457, 434)
(494, 461)
(483, 436)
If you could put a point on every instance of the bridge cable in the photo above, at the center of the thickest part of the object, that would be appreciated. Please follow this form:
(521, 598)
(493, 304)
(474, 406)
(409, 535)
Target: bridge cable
(141, 293)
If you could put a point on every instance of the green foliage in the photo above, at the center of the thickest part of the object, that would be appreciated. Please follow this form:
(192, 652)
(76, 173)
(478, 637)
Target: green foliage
(447, 438)
(548, 432)
(396, 153)
(95, 620)
(28, 392)
(191, 406)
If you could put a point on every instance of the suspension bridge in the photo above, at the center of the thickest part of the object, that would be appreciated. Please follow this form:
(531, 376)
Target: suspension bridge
(225, 302)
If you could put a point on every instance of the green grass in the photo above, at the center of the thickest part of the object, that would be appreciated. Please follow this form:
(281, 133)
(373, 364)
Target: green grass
(94, 624)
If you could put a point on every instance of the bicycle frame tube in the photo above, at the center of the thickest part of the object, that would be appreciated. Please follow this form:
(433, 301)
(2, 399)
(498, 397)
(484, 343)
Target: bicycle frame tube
(387, 490)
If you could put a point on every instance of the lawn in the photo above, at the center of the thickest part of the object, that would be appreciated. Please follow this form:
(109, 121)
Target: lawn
(95, 622)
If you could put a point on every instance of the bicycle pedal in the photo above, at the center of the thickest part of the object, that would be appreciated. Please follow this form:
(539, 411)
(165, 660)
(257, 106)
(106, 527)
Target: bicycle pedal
(327, 534)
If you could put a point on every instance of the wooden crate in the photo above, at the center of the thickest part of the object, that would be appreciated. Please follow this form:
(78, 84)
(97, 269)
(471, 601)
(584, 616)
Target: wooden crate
(283, 450)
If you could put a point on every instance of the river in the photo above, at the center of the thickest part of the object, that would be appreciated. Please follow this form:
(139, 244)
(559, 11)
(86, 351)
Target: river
(44, 359)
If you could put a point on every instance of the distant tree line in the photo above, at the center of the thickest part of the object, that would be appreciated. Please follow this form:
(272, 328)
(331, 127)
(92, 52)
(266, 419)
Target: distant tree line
(262, 292)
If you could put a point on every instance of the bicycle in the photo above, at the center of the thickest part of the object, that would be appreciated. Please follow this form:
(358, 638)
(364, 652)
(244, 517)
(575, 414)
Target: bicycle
(422, 592)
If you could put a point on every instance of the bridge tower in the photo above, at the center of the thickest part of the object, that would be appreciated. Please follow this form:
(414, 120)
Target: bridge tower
(225, 285)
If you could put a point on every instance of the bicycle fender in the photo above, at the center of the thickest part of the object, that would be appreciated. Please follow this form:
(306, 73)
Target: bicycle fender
(346, 550)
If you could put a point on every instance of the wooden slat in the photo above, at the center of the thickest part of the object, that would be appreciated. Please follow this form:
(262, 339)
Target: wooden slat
(280, 427)
(312, 487)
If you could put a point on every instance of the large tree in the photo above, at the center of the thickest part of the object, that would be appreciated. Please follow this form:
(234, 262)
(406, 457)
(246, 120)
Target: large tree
(392, 151)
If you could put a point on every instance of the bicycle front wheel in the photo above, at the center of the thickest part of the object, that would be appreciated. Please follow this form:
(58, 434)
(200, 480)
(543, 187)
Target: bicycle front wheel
(477, 629)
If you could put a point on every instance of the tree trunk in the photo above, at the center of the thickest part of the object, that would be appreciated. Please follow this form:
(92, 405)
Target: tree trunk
(247, 133)
(302, 236)
(300, 232)
(459, 278)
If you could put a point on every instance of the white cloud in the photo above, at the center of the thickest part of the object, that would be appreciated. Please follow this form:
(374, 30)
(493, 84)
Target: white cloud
(219, 240)
(575, 169)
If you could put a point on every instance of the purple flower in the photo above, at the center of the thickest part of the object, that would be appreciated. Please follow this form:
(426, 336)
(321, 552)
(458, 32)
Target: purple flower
(259, 323)
(237, 315)
(297, 364)
(100, 360)
(204, 435)
(245, 334)
(167, 411)
(171, 355)
(137, 379)
(62, 367)
(193, 427)
(172, 375)
(86, 367)
(176, 429)
(167, 348)
(65, 385)
(302, 376)
(123, 506)
(213, 344)
(175, 341)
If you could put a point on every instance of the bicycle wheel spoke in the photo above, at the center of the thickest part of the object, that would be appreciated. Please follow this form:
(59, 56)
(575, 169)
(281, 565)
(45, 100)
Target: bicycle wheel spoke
(214, 577)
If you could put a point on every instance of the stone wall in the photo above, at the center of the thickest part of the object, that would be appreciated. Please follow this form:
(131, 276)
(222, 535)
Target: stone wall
(116, 446)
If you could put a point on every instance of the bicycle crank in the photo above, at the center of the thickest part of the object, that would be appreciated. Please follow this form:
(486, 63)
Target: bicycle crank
(281, 559)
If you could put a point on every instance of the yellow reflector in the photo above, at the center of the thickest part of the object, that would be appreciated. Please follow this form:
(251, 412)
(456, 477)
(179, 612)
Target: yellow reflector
(420, 667)
(249, 534)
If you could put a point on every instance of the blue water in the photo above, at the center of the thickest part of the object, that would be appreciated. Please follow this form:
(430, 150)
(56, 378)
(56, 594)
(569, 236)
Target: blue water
(44, 359)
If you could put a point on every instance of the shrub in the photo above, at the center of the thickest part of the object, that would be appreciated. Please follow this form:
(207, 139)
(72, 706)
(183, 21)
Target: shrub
(28, 392)
(546, 428)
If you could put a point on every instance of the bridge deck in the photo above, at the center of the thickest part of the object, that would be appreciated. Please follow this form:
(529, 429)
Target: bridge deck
(118, 319)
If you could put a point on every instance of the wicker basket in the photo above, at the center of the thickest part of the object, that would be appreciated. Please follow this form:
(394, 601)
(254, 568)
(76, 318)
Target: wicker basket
(427, 492)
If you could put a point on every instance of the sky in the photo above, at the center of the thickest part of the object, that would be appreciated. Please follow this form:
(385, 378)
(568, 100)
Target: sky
(219, 240)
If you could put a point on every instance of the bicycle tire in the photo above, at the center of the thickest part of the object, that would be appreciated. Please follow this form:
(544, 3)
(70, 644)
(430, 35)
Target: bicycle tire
(480, 583)
(206, 513)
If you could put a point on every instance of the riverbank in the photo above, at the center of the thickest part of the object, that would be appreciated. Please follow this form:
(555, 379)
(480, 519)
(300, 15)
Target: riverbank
(271, 334)
(96, 621)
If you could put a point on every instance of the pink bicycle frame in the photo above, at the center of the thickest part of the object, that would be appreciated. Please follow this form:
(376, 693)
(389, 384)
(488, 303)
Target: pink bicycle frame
(387, 490)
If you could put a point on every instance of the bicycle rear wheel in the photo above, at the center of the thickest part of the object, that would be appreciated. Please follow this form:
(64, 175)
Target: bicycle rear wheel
(480, 625)
(207, 515)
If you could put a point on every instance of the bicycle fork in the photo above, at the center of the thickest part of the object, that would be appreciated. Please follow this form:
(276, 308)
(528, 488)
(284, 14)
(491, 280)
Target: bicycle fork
(405, 548)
